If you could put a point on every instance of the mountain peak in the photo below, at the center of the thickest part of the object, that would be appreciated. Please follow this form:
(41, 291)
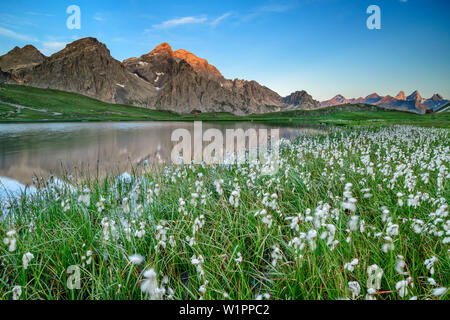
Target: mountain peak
(87, 45)
(21, 57)
(200, 65)
(437, 97)
(373, 96)
(163, 48)
(88, 41)
(301, 99)
(414, 96)
(401, 95)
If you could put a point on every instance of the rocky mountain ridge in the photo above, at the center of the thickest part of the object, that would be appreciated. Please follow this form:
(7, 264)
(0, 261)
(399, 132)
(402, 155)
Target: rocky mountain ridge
(162, 79)
(20, 58)
(165, 79)
(413, 103)
(302, 99)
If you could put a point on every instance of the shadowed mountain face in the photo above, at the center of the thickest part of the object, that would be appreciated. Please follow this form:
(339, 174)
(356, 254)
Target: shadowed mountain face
(302, 99)
(86, 66)
(4, 76)
(20, 58)
(415, 96)
(413, 103)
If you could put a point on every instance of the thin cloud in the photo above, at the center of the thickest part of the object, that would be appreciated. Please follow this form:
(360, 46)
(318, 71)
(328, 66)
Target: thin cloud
(11, 34)
(179, 21)
(267, 9)
(11, 21)
(40, 14)
(218, 20)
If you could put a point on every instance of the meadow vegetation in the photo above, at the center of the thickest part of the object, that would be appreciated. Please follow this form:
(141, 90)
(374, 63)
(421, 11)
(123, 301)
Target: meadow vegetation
(354, 213)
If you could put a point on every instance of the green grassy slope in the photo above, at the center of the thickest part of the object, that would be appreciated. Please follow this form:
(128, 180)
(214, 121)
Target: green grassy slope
(49, 104)
(54, 105)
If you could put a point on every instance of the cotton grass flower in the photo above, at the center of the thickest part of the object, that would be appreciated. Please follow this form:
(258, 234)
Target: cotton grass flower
(11, 240)
(149, 285)
(432, 282)
(350, 266)
(276, 255)
(353, 223)
(17, 292)
(402, 287)
(136, 259)
(439, 291)
(26, 259)
(374, 275)
(354, 288)
(429, 264)
(349, 202)
(85, 197)
(400, 265)
(87, 259)
(263, 296)
(198, 262)
(239, 258)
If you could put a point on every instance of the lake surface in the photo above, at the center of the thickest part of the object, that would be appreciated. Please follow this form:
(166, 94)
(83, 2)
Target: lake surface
(43, 149)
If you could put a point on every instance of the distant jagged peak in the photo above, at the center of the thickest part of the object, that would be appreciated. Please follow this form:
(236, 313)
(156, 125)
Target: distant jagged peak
(401, 95)
(373, 96)
(414, 96)
(436, 97)
(301, 99)
(298, 93)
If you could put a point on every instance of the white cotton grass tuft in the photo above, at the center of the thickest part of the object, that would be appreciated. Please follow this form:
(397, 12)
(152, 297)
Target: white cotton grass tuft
(136, 259)
(27, 257)
(263, 296)
(354, 288)
(350, 266)
(374, 273)
(149, 285)
(439, 291)
(429, 264)
(400, 265)
(239, 258)
(85, 197)
(17, 292)
(11, 240)
(402, 287)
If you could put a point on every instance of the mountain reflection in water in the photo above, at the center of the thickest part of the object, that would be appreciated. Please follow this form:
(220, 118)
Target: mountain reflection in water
(29, 150)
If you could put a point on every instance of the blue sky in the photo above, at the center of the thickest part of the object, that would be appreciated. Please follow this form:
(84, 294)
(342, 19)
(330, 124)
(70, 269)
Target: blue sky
(321, 46)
